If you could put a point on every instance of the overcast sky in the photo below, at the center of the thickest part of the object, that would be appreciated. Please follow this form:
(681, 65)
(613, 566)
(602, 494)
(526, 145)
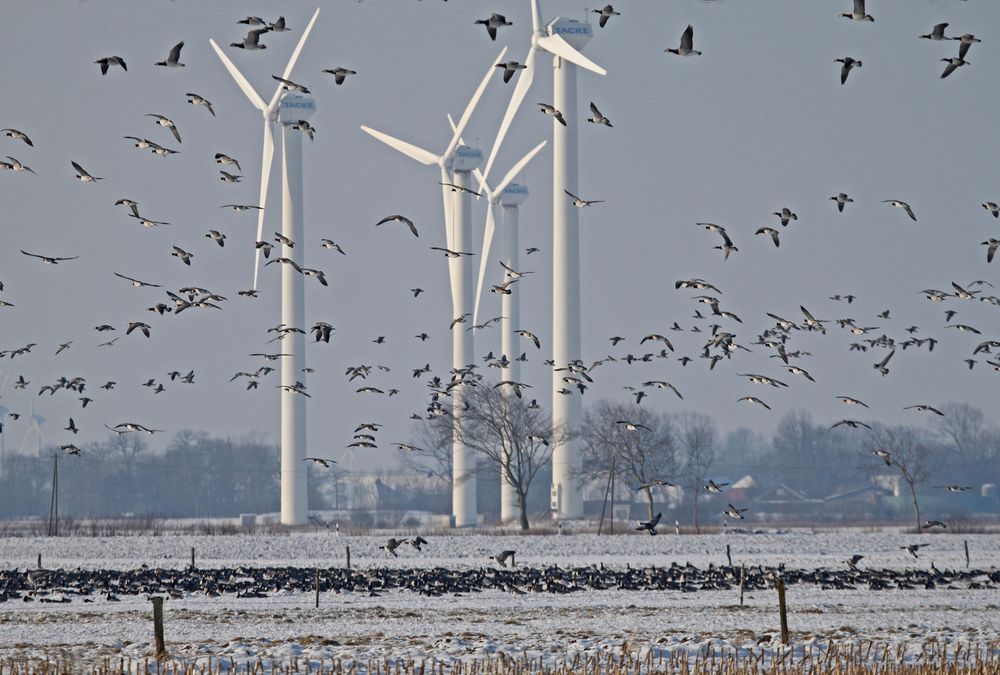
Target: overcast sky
(757, 122)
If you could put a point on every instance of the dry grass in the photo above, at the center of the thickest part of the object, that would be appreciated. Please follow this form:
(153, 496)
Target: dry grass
(866, 658)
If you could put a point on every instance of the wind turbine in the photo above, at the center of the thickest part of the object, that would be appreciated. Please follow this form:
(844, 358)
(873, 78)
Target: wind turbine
(455, 163)
(509, 196)
(562, 38)
(34, 429)
(288, 108)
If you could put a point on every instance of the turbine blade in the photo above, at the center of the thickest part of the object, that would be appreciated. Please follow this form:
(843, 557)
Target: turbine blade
(447, 154)
(536, 17)
(484, 258)
(554, 44)
(446, 195)
(516, 169)
(480, 178)
(520, 91)
(408, 149)
(254, 97)
(454, 271)
(295, 57)
(265, 177)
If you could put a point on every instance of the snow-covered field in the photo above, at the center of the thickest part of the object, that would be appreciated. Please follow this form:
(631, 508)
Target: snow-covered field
(404, 625)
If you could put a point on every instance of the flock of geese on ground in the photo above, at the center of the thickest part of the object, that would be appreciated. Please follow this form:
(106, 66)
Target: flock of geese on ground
(88, 585)
(715, 324)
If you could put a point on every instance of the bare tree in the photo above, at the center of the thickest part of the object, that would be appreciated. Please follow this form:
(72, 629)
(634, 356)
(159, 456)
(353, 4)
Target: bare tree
(908, 451)
(966, 427)
(698, 439)
(640, 452)
(511, 435)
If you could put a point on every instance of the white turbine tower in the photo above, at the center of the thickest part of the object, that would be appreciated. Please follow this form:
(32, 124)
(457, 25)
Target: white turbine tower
(508, 195)
(562, 38)
(455, 164)
(286, 109)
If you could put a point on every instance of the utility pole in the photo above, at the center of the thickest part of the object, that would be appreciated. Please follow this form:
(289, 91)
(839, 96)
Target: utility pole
(53, 529)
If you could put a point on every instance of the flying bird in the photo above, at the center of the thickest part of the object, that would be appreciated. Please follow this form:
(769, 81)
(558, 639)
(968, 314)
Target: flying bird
(195, 99)
(687, 44)
(48, 260)
(598, 116)
(340, 74)
(954, 63)
(650, 525)
(108, 61)
(136, 282)
(579, 202)
(173, 59)
(288, 85)
(492, 23)
(859, 13)
(606, 13)
(937, 33)
(325, 463)
(848, 64)
(841, 199)
(901, 205)
(252, 40)
(772, 232)
(166, 122)
(17, 135)
(401, 219)
(552, 111)
(83, 175)
(509, 68)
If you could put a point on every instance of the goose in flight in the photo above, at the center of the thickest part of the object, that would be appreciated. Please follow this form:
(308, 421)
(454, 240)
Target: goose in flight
(991, 245)
(922, 407)
(660, 384)
(217, 236)
(859, 13)
(848, 64)
(332, 245)
(882, 366)
(252, 40)
(70, 449)
(734, 512)
(108, 61)
(492, 23)
(461, 188)
(712, 486)
(853, 424)
(772, 232)
(579, 202)
(632, 426)
(16, 165)
(137, 325)
(552, 111)
(131, 204)
(954, 63)
(340, 74)
(686, 47)
(83, 175)
(606, 13)
(184, 256)
(527, 334)
(762, 379)
(196, 99)
(17, 135)
(173, 58)
(965, 41)
(841, 198)
(754, 399)
(288, 85)
(851, 401)
(503, 556)
(400, 219)
(223, 158)
(655, 482)
(937, 33)
(449, 253)
(901, 205)
(913, 548)
(136, 282)
(304, 127)
(509, 68)
(392, 545)
(954, 488)
(166, 122)
(48, 260)
(325, 463)
(930, 524)
(650, 525)
(785, 215)
(598, 116)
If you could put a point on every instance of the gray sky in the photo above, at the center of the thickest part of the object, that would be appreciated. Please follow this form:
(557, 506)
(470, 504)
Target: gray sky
(759, 121)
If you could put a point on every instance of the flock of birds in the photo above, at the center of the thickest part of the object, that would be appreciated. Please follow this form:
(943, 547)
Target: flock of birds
(715, 324)
(88, 585)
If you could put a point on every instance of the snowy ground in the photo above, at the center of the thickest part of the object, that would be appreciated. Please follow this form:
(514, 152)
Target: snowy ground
(403, 625)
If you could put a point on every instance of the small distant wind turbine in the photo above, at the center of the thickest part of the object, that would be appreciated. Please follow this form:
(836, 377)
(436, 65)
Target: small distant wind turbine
(288, 109)
(34, 430)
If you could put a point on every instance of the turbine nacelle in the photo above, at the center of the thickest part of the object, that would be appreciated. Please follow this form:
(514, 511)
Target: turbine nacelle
(466, 158)
(293, 107)
(514, 195)
(576, 33)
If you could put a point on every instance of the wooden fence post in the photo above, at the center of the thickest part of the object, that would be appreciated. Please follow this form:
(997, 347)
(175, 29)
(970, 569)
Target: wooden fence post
(317, 588)
(348, 559)
(743, 575)
(782, 610)
(729, 556)
(192, 558)
(161, 650)
(966, 542)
